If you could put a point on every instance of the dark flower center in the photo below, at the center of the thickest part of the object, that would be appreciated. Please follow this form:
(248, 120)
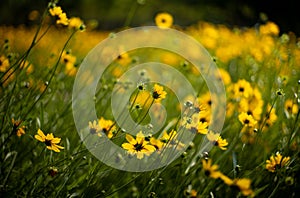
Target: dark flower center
(241, 89)
(246, 121)
(207, 173)
(216, 143)
(209, 102)
(163, 20)
(66, 60)
(138, 147)
(155, 95)
(104, 130)
(203, 120)
(48, 142)
(92, 130)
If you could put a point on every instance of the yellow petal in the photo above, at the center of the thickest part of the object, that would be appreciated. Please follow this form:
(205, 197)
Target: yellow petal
(56, 140)
(39, 138)
(128, 146)
(41, 133)
(130, 139)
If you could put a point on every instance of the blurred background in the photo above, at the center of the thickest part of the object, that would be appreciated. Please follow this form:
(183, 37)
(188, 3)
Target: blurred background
(112, 14)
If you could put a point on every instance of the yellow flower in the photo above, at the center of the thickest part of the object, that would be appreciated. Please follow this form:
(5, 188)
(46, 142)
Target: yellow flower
(244, 184)
(138, 146)
(94, 128)
(242, 89)
(55, 11)
(164, 20)
(210, 170)
(20, 130)
(170, 140)
(277, 162)
(124, 59)
(217, 140)
(50, 141)
(157, 143)
(62, 19)
(107, 127)
(4, 63)
(158, 93)
(271, 116)
(76, 23)
(202, 127)
(290, 107)
(247, 120)
(224, 76)
(269, 28)
(69, 60)
(141, 99)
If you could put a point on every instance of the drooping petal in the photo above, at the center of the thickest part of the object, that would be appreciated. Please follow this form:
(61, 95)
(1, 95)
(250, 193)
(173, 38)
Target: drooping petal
(39, 138)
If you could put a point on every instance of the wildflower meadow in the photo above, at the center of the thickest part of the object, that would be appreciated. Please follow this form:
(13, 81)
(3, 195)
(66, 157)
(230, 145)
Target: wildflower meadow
(163, 110)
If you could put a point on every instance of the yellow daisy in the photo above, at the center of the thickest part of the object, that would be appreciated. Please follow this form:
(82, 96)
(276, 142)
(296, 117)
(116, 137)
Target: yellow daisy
(50, 141)
(164, 20)
(138, 146)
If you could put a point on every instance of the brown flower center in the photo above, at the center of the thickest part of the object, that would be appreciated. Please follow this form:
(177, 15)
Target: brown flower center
(48, 142)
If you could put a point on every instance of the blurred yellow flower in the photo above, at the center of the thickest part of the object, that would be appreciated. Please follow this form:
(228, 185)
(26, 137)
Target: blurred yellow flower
(164, 20)
(242, 89)
(69, 60)
(276, 162)
(19, 130)
(55, 11)
(291, 107)
(76, 23)
(244, 184)
(61, 17)
(247, 120)
(210, 170)
(269, 28)
(4, 63)
(50, 141)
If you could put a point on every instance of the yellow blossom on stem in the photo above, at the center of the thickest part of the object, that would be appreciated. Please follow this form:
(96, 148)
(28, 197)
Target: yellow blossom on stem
(19, 130)
(95, 128)
(291, 107)
(242, 89)
(210, 170)
(244, 185)
(217, 140)
(164, 20)
(158, 93)
(247, 120)
(50, 141)
(107, 127)
(4, 63)
(76, 23)
(55, 11)
(138, 146)
(276, 162)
